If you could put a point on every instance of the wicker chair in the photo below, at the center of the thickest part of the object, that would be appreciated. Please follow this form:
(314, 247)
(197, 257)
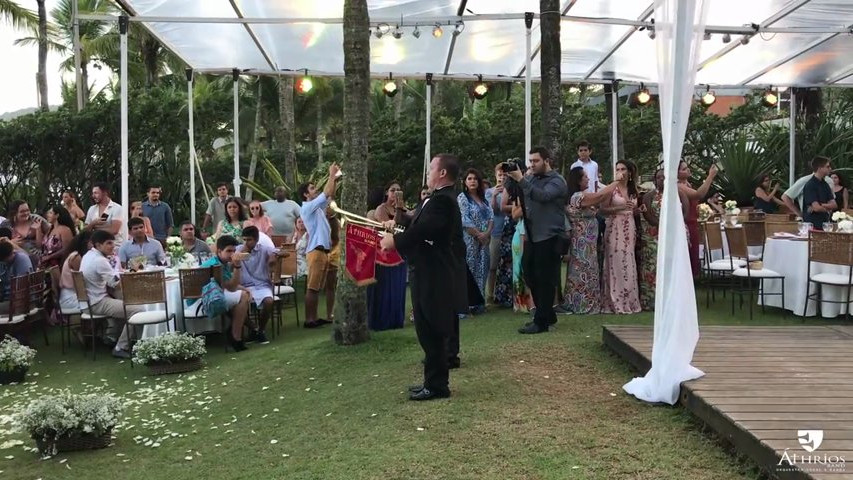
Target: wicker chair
(755, 237)
(39, 295)
(278, 240)
(86, 312)
(716, 273)
(15, 320)
(193, 281)
(739, 247)
(772, 228)
(286, 286)
(145, 288)
(780, 217)
(833, 249)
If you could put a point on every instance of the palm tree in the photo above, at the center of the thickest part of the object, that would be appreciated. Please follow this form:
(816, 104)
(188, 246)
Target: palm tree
(17, 16)
(41, 75)
(351, 304)
(287, 132)
(550, 57)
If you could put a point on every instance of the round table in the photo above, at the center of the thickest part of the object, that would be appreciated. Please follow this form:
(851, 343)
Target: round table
(789, 257)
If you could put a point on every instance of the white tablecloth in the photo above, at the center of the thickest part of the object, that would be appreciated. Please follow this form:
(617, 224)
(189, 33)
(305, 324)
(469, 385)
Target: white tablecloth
(790, 258)
(173, 296)
(718, 255)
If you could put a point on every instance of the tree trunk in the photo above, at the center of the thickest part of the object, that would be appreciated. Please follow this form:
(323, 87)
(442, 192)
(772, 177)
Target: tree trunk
(41, 76)
(287, 134)
(256, 140)
(351, 302)
(398, 103)
(318, 134)
(550, 94)
(84, 79)
(611, 89)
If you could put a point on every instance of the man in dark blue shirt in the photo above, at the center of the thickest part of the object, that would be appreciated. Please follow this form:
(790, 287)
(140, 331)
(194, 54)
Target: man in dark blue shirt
(12, 264)
(818, 199)
(159, 213)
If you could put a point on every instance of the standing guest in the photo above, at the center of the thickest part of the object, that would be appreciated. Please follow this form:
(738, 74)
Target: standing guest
(282, 211)
(27, 229)
(237, 298)
(257, 259)
(715, 201)
(583, 288)
(106, 214)
(433, 244)
(651, 221)
(694, 196)
(192, 244)
(159, 213)
(620, 289)
(494, 197)
(104, 291)
(503, 286)
(313, 213)
(842, 198)
(216, 208)
(765, 196)
(78, 247)
(258, 218)
(141, 245)
(386, 299)
(232, 224)
(818, 199)
(69, 201)
(793, 196)
(522, 301)
(589, 165)
(477, 224)
(136, 211)
(13, 263)
(544, 201)
(54, 247)
(300, 240)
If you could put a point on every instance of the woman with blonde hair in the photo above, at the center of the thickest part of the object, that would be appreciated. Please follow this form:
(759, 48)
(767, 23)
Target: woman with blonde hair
(258, 218)
(136, 211)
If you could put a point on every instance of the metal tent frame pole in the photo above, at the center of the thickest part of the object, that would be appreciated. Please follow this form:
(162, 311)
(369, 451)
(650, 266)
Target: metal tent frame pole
(78, 74)
(235, 75)
(528, 122)
(191, 133)
(614, 130)
(123, 24)
(792, 138)
(428, 145)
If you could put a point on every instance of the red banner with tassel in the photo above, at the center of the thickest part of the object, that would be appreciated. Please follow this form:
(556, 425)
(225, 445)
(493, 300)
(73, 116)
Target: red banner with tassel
(362, 243)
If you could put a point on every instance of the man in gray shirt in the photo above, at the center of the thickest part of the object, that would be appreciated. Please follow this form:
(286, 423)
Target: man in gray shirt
(141, 246)
(159, 213)
(544, 202)
(191, 243)
(216, 208)
(282, 212)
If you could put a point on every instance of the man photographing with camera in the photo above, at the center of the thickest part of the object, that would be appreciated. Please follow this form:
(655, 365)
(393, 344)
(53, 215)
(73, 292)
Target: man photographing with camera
(545, 196)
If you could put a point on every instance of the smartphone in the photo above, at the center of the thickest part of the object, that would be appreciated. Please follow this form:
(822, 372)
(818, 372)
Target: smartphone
(339, 174)
(398, 197)
(104, 217)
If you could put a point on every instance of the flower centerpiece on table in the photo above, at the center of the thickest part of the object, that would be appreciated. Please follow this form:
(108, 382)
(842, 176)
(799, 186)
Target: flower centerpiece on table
(731, 207)
(67, 421)
(845, 222)
(704, 212)
(178, 255)
(15, 360)
(177, 352)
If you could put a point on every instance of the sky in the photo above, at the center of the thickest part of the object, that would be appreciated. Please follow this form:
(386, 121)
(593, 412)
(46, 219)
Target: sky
(18, 84)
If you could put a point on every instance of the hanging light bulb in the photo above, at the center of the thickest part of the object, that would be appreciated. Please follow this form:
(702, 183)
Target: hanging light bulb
(416, 32)
(769, 99)
(390, 87)
(727, 37)
(437, 32)
(304, 85)
(397, 33)
(481, 90)
(744, 40)
(643, 96)
(708, 98)
(381, 30)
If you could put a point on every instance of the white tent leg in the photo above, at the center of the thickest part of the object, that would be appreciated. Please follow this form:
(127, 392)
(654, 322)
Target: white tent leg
(614, 128)
(528, 21)
(428, 146)
(236, 77)
(125, 169)
(792, 138)
(78, 74)
(191, 131)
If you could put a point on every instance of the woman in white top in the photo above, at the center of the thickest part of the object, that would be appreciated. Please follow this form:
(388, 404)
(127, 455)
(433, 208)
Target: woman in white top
(78, 247)
(300, 238)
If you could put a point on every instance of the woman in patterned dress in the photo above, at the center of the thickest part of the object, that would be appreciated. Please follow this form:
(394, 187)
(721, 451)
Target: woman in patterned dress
(649, 252)
(477, 224)
(620, 289)
(504, 272)
(235, 215)
(582, 292)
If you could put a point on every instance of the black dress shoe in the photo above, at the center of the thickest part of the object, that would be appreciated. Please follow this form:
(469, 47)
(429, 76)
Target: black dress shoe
(454, 363)
(427, 394)
(415, 388)
(532, 328)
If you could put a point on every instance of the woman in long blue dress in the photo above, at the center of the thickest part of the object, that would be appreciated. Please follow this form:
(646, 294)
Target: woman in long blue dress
(477, 219)
(386, 299)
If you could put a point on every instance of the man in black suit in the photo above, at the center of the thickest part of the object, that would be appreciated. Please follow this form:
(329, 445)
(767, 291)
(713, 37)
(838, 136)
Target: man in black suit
(432, 243)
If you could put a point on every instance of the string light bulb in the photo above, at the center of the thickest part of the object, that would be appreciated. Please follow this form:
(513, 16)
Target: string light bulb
(769, 98)
(390, 87)
(437, 32)
(708, 98)
(643, 96)
(304, 85)
(481, 89)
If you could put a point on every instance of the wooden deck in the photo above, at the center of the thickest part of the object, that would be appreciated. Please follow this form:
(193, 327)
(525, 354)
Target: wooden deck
(762, 384)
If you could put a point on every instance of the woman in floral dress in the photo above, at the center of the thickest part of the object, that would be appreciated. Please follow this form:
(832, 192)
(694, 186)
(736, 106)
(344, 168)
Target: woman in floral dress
(582, 292)
(620, 289)
(235, 216)
(503, 274)
(477, 225)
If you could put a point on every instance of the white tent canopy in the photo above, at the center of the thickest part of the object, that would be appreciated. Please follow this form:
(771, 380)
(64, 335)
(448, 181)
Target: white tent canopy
(788, 42)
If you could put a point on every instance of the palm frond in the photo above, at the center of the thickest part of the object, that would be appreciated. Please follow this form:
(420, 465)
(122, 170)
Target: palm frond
(17, 16)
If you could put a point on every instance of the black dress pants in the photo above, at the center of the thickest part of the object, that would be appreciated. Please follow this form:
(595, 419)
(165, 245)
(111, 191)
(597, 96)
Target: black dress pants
(435, 346)
(541, 266)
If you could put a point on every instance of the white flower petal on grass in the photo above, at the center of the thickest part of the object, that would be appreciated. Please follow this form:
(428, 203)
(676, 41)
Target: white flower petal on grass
(273, 442)
(420, 429)
(546, 376)
(375, 375)
(521, 361)
(277, 379)
(308, 389)
(329, 414)
(188, 457)
(63, 460)
(265, 388)
(612, 394)
(340, 384)
(274, 410)
(9, 457)
(372, 414)
(155, 445)
(285, 455)
(68, 466)
(119, 454)
(575, 467)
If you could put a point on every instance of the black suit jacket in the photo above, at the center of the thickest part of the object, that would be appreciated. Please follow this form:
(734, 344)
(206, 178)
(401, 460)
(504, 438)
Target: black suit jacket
(432, 243)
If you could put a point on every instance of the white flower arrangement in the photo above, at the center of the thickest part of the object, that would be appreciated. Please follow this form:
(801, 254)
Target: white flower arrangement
(15, 356)
(840, 216)
(846, 226)
(169, 348)
(704, 212)
(179, 256)
(731, 207)
(67, 415)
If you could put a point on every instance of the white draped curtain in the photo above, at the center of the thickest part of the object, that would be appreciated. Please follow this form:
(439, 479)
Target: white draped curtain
(679, 25)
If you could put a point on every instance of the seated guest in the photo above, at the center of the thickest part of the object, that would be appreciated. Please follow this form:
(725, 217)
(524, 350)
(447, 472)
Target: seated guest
(818, 199)
(765, 196)
(714, 202)
(13, 263)
(141, 245)
(27, 229)
(78, 247)
(69, 201)
(104, 290)
(236, 297)
(192, 244)
(257, 258)
(842, 196)
(232, 225)
(258, 218)
(136, 211)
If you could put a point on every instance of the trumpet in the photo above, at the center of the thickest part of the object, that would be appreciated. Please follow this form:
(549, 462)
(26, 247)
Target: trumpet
(359, 220)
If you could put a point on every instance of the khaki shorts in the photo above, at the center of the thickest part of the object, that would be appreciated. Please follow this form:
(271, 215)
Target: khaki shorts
(318, 264)
(335, 258)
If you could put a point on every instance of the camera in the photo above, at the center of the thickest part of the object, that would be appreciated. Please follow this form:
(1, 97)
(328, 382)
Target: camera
(513, 165)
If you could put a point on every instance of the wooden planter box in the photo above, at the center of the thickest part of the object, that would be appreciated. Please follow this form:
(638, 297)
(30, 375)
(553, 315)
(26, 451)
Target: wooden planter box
(74, 442)
(176, 367)
(17, 375)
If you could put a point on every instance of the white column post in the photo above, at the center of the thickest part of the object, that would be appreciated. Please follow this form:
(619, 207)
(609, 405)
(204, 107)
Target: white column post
(792, 138)
(235, 75)
(125, 169)
(614, 130)
(191, 131)
(78, 74)
(428, 146)
(528, 122)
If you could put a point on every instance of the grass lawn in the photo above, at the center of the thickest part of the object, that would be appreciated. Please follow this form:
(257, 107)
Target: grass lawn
(523, 407)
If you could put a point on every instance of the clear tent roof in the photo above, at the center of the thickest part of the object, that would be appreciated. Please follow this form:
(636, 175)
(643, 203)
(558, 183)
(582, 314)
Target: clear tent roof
(808, 42)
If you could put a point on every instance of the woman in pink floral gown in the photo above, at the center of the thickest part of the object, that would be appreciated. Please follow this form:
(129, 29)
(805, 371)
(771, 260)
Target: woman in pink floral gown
(620, 289)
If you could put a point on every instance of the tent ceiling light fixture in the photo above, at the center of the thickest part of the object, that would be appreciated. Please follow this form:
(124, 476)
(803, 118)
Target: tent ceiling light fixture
(304, 85)
(397, 33)
(437, 32)
(709, 97)
(460, 27)
(769, 98)
(643, 96)
(390, 87)
(382, 29)
(727, 37)
(416, 32)
(707, 36)
(481, 90)
(744, 40)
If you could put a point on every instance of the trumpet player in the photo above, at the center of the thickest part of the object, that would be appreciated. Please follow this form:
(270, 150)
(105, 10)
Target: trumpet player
(313, 214)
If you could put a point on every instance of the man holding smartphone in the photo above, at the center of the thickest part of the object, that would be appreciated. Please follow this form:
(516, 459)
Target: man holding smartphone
(106, 214)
